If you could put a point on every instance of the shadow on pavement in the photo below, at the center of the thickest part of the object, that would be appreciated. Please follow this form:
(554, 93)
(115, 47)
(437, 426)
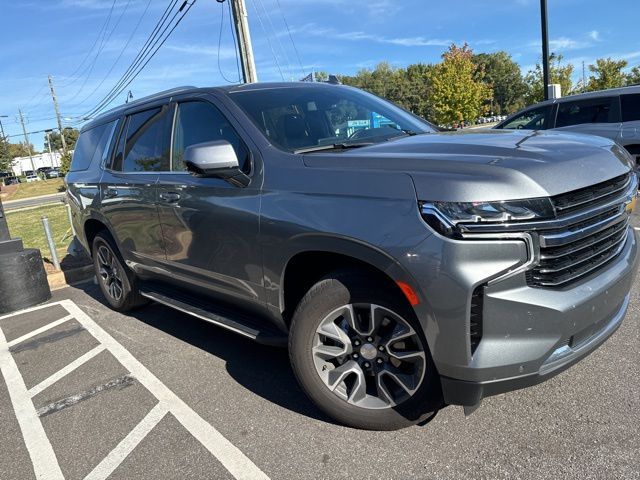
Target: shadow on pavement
(266, 371)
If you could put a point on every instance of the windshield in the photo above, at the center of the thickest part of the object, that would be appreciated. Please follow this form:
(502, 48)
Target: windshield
(299, 118)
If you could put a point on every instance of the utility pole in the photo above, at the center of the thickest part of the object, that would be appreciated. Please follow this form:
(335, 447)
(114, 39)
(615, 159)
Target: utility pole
(26, 139)
(545, 48)
(240, 19)
(55, 105)
(1, 127)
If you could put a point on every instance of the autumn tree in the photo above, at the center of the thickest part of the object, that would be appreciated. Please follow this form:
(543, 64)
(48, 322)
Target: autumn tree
(499, 71)
(558, 73)
(607, 73)
(455, 93)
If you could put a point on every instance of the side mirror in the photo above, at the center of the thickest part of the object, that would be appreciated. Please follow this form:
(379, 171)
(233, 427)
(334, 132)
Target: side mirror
(215, 159)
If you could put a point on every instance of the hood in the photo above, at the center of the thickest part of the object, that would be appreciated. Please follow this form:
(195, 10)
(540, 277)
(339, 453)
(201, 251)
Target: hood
(488, 164)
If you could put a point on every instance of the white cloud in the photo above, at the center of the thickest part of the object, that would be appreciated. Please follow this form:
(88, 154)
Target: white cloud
(562, 43)
(594, 35)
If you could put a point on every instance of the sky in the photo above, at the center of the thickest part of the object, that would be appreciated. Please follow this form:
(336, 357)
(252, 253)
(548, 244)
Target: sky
(87, 45)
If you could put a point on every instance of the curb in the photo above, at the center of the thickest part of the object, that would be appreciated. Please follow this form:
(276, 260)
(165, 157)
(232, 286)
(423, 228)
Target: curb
(73, 276)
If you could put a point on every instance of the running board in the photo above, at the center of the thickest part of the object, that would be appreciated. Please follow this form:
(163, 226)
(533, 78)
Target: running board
(247, 327)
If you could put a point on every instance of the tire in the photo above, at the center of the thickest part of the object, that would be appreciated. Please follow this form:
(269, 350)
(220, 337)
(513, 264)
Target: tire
(117, 282)
(314, 344)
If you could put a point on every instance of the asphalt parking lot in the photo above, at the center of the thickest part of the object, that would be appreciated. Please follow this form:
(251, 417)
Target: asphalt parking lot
(158, 394)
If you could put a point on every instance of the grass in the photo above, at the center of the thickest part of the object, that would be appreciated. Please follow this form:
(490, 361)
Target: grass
(27, 224)
(35, 189)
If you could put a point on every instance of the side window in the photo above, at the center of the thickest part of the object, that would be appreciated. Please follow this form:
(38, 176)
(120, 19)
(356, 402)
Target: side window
(630, 107)
(146, 147)
(535, 119)
(91, 146)
(595, 110)
(199, 122)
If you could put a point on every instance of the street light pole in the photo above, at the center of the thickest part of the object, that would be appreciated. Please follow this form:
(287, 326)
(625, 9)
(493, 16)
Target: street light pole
(545, 48)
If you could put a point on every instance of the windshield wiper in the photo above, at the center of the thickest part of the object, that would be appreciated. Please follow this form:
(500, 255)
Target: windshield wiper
(332, 146)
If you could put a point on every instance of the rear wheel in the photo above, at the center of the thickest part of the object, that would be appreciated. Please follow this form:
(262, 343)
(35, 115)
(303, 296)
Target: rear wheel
(116, 281)
(360, 354)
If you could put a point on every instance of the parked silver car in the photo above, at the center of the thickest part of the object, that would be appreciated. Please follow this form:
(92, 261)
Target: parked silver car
(613, 114)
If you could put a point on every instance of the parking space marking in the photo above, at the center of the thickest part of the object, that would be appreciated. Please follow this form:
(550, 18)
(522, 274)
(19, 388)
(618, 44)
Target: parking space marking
(60, 374)
(107, 466)
(38, 331)
(43, 458)
(40, 450)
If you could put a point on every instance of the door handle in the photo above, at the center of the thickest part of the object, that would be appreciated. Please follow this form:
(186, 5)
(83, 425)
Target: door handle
(170, 197)
(111, 192)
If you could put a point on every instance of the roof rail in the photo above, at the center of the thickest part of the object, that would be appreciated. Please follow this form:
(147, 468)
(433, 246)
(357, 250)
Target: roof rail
(164, 93)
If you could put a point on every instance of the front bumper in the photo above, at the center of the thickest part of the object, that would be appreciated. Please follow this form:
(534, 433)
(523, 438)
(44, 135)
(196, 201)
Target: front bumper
(529, 334)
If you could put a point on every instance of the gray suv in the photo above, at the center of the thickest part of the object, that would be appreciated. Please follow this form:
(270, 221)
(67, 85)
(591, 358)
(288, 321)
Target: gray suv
(405, 269)
(613, 114)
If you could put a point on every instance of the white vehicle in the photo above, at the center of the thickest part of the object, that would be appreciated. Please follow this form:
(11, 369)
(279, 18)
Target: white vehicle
(32, 178)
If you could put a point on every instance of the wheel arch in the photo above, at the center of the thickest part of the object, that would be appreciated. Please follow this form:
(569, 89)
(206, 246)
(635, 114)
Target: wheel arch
(317, 256)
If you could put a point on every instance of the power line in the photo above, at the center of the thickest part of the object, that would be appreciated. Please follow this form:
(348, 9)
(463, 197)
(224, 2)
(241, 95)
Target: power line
(275, 57)
(235, 42)
(277, 37)
(126, 81)
(119, 55)
(286, 24)
(220, 44)
(143, 51)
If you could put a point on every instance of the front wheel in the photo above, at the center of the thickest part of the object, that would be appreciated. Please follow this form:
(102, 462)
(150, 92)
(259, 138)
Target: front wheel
(359, 353)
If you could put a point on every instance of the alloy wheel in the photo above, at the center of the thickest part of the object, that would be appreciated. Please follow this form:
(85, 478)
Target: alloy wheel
(369, 356)
(109, 272)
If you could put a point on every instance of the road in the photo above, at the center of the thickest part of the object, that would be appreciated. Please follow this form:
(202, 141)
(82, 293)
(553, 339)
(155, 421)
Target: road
(158, 394)
(33, 201)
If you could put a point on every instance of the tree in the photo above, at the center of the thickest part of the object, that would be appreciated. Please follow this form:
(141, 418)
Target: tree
(456, 94)
(20, 150)
(558, 73)
(633, 77)
(65, 163)
(499, 71)
(70, 135)
(607, 74)
(5, 156)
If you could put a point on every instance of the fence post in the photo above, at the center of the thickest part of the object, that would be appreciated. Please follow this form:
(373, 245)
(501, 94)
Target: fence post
(52, 245)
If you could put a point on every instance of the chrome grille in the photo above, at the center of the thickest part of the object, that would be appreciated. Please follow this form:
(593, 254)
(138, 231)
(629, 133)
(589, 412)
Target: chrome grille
(594, 232)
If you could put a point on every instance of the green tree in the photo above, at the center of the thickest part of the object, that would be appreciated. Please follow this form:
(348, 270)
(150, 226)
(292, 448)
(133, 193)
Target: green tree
(558, 73)
(5, 157)
(456, 94)
(633, 77)
(503, 75)
(20, 150)
(65, 163)
(607, 73)
(70, 135)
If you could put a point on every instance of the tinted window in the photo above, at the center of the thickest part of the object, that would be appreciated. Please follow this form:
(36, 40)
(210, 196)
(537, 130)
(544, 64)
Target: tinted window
(199, 122)
(295, 118)
(147, 141)
(595, 110)
(535, 119)
(92, 146)
(630, 107)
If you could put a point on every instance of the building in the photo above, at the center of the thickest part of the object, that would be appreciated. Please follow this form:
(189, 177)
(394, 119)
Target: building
(23, 164)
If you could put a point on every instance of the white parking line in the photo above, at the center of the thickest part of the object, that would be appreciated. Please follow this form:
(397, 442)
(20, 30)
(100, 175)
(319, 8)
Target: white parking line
(47, 382)
(45, 463)
(40, 450)
(126, 446)
(38, 331)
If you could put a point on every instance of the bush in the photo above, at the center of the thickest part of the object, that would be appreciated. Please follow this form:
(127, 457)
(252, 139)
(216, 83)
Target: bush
(65, 163)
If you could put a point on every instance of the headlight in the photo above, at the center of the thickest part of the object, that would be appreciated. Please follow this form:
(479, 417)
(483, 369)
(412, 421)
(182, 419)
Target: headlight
(449, 218)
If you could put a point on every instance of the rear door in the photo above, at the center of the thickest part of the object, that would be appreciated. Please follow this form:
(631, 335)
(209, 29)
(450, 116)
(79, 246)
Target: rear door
(594, 116)
(211, 227)
(129, 190)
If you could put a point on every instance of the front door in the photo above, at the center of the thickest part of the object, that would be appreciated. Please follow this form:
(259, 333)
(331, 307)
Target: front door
(210, 227)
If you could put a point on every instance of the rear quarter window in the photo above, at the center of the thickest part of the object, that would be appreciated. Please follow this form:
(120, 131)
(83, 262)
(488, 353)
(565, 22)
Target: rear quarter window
(630, 107)
(92, 146)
